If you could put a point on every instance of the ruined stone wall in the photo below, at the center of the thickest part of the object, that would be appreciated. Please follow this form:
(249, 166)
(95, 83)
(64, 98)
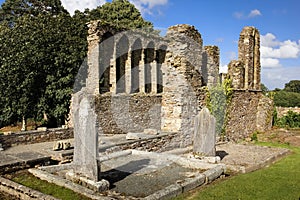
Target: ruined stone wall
(236, 70)
(31, 137)
(119, 114)
(282, 111)
(182, 95)
(249, 54)
(264, 117)
(248, 112)
(210, 65)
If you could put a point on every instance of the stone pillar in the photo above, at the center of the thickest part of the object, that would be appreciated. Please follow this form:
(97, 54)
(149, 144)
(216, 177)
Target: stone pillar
(249, 54)
(85, 159)
(154, 76)
(128, 73)
(113, 78)
(92, 81)
(205, 134)
(212, 66)
(142, 72)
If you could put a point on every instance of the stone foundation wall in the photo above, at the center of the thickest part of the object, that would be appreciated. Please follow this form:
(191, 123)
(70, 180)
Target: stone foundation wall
(31, 137)
(282, 111)
(123, 113)
(245, 110)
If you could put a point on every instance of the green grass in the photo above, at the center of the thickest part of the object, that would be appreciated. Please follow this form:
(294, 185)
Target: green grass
(279, 181)
(47, 188)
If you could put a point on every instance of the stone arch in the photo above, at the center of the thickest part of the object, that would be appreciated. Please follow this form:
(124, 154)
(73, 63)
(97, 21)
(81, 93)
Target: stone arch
(122, 48)
(149, 57)
(160, 58)
(136, 57)
(106, 50)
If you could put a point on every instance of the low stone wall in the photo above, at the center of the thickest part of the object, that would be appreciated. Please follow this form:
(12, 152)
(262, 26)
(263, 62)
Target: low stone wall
(20, 191)
(282, 111)
(122, 113)
(248, 112)
(31, 137)
(158, 143)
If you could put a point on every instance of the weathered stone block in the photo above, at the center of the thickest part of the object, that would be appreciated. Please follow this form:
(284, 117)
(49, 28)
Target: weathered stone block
(205, 134)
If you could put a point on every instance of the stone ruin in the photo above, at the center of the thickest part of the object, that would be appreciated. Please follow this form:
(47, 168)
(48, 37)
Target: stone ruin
(137, 81)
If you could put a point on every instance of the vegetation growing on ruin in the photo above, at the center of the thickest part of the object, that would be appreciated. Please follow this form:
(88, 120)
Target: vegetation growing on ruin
(291, 120)
(218, 99)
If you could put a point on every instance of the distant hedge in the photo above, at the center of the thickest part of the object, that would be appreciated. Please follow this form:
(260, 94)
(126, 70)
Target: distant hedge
(287, 99)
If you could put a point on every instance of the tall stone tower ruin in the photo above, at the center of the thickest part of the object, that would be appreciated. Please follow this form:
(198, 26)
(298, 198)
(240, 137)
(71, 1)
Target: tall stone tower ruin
(245, 72)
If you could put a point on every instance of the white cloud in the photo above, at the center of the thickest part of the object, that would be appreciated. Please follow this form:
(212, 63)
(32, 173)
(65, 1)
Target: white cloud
(223, 69)
(254, 13)
(270, 62)
(277, 77)
(149, 6)
(269, 40)
(272, 48)
(72, 5)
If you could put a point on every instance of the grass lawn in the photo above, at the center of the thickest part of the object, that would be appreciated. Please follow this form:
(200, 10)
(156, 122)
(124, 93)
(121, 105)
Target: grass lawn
(279, 181)
(31, 181)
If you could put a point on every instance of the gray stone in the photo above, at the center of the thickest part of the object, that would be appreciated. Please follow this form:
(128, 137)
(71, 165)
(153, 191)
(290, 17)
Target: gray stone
(1, 148)
(205, 134)
(8, 133)
(66, 145)
(42, 128)
(57, 146)
(85, 136)
(98, 186)
(151, 131)
(133, 136)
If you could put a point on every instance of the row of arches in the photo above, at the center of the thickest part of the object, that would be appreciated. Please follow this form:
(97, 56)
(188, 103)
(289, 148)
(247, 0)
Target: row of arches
(126, 68)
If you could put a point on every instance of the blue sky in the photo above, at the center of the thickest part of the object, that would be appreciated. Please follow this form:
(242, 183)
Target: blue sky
(220, 23)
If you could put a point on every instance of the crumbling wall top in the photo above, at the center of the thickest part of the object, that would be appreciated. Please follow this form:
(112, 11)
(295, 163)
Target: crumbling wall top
(187, 30)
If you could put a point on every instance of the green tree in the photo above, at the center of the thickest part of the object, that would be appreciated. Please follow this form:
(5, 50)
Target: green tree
(286, 99)
(120, 13)
(292, 86)
(40, 56)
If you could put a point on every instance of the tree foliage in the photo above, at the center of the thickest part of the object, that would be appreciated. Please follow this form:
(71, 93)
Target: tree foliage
(40, 56)
(289, 96)
(120, 13)
(291, 120)
(292, 86)
(42, 47)
(287, 99)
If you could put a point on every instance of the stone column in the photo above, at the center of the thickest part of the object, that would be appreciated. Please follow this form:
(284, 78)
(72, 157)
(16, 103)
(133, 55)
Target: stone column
(128, 73)
(213, 64)
(205, 134)
(92, 81)
(113, 78)
(142, 72)
(154, 76)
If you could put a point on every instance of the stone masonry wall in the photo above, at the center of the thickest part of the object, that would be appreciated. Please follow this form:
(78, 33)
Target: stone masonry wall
(210, 65)
(119, 114)
(31, 137)
(182, 95)
(249, 54)
(242, 115)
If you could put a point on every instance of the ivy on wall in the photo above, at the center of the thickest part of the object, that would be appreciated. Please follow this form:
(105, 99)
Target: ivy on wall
(218, 99)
